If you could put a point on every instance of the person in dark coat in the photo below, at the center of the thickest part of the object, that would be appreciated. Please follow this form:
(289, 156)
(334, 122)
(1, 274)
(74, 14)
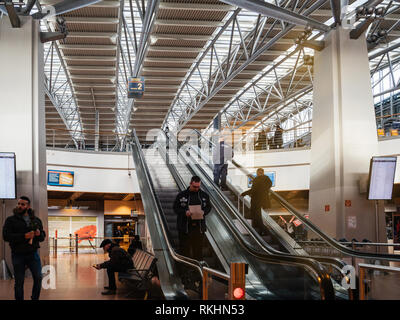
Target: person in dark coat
(191, 231)
(135, 244)
(259, 194)
(278, 137)
(120, 261)
(24, 231)
(221, 155)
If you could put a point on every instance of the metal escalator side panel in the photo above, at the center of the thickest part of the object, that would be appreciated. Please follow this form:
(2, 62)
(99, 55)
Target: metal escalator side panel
(170, 283)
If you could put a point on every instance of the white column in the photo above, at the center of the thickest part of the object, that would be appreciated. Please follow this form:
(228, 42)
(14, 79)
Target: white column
(344, 138)
(22, 120)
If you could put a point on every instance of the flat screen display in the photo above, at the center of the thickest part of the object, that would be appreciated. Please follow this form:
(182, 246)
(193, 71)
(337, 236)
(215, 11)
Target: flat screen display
(60, 178)
(8, 186)
(270, 175)
(381, 178)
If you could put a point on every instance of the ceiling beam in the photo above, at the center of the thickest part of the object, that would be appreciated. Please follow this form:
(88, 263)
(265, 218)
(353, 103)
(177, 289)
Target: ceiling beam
(195, 6)
(276, 12)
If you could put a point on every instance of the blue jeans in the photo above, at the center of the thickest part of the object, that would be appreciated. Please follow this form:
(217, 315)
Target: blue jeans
(32, 261)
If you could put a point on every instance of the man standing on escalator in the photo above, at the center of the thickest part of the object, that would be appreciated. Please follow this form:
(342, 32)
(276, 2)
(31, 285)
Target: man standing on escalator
(222, 154)
(259, 194)
(191, 207)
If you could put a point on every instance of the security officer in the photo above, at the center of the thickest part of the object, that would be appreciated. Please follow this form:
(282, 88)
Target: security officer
(191, 207)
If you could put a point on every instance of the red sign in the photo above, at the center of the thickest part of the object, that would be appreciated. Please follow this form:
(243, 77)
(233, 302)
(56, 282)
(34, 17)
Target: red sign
(297, 222)
(327, 207)
(347, 203)
(307, 216)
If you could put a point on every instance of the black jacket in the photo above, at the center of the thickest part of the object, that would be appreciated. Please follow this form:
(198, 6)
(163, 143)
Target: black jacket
(14, 230)
(259, 192)
(119, 259)
(181, 205)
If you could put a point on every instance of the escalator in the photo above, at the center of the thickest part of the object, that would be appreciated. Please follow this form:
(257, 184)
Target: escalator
(269, 276)
(277, 238)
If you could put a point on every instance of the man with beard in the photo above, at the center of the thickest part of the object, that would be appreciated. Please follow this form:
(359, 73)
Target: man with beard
(24, 231)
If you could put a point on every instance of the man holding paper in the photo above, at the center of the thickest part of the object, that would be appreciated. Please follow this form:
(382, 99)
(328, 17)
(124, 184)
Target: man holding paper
(191, 207)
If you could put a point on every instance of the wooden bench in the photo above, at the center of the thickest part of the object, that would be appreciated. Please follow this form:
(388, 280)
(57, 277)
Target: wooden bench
(139, 278)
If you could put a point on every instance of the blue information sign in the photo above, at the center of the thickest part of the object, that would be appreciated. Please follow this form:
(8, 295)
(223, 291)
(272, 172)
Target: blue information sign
(135, 87)
(60, 178)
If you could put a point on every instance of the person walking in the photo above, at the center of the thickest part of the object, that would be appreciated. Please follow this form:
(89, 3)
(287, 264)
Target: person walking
(221, 155)
(24, 231)
(120, 261)
(191, 206)
(259, 194)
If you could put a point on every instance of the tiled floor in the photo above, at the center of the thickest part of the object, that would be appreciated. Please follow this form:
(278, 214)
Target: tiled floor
(76, 279)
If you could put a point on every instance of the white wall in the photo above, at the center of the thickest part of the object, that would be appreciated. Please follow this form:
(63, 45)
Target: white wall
(292, 168)
(95, 171)
(108, 172)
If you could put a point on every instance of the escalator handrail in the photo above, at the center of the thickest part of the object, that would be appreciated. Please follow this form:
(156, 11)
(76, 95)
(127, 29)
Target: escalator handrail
(337, 263)
(314, 266)
(338, 246)
(177, 257)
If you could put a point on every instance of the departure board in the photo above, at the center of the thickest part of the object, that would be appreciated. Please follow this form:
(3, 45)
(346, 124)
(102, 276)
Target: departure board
(381, 178)
(8, 188)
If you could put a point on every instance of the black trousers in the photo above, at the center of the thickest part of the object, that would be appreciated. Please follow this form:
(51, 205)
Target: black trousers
(111, 275)
(191, 244)
(255, 215)
(220, 172)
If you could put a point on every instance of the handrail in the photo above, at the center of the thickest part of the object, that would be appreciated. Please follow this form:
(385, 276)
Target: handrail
(181, 259)
(273, 256)
(310, 225)
(363, 267)
(177, 257)
(338, 264)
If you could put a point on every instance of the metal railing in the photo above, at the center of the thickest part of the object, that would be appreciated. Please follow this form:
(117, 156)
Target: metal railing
(369, 274)
(72, 243)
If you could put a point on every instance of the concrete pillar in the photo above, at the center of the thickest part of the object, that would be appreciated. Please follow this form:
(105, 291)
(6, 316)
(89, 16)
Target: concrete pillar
(22, 120)
(344, 138)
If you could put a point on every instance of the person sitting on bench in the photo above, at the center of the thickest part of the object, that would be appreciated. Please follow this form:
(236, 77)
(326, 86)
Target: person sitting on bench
(120, 261)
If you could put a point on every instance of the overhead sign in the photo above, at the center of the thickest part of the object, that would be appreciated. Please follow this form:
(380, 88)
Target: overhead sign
(381, 178)
(60, 178)
(8, 186)
(135, 87)
(270, 175)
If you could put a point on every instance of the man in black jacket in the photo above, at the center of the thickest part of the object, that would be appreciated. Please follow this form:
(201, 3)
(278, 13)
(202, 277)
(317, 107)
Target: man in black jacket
(191, 206)
(120, 261)
(24, 231)
(259, 194)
